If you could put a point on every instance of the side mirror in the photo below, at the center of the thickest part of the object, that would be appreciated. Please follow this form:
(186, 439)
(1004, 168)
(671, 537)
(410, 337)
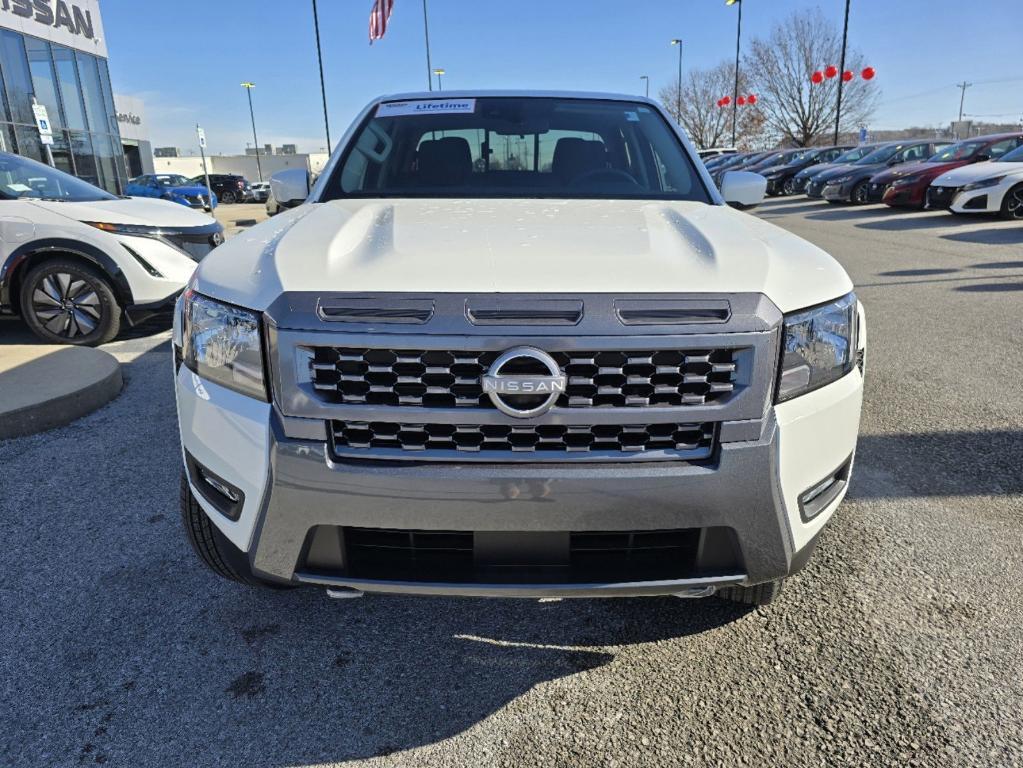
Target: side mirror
(742, 189)
(981, 158)
(290, 187)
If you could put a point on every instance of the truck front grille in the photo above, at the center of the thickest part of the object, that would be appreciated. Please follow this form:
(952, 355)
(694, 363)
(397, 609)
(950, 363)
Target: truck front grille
(572, 557)
(445, 379)
(691, 442)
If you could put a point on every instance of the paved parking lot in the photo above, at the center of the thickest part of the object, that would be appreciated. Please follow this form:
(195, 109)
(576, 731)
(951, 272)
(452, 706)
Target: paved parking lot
(899, 645)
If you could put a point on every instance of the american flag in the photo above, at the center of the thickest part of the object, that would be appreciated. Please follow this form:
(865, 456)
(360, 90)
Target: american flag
(378, 18)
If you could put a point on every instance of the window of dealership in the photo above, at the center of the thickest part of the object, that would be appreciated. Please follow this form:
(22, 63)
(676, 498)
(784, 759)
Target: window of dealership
(75, 88)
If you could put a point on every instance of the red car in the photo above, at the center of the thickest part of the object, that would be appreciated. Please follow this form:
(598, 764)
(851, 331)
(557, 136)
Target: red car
(906, 185)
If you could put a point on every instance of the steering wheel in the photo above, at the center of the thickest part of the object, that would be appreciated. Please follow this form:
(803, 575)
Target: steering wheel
(606, 174)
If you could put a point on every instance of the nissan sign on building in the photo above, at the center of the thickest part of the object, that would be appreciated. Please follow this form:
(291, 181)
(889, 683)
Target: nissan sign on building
(54, 51)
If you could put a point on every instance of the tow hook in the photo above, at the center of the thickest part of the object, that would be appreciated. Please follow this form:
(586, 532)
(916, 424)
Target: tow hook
(344, 593)
(706, 591)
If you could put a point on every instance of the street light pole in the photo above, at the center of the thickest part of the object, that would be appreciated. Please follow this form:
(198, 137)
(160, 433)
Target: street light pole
(647, 79)
(323, 87)
(259, 168)
(841, 72)
(678, 102)
(735, 91)
(426, 33)
(440, 73)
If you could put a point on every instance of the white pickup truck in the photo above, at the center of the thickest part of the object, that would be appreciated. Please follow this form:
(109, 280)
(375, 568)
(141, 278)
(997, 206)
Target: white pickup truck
(516, 344)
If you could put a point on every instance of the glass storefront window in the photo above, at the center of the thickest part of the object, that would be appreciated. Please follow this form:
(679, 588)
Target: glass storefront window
(85, 160)
(70, 91)
(28, 143)
(75, 89)
(106, 162)
(108, 99)
(16, 76)
(43, 80)
(7, 142)
(92, 91)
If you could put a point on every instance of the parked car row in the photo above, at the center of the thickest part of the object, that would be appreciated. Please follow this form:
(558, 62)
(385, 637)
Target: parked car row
(983, 174)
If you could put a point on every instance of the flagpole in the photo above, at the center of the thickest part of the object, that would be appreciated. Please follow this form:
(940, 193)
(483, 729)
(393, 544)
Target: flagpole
(426, 31)
(323, 86)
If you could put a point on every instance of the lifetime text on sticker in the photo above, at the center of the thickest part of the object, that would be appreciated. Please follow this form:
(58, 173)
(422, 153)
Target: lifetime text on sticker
(426, 107)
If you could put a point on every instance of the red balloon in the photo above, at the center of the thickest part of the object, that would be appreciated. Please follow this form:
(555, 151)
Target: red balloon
(751, 99)
(726, 100)
(741, 101)
(847, 75)
(817, 77)
(720, 104)
(868, 73)
(830, 71)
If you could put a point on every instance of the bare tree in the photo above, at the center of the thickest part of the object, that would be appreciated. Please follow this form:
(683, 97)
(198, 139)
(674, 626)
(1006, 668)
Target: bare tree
(780, 67)
(707, 124)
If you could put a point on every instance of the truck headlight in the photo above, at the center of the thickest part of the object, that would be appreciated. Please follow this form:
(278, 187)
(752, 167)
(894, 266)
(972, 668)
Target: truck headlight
(223, 344)
(818, 347)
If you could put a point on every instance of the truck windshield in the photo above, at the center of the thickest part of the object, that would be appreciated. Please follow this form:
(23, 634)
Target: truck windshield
(537, 147)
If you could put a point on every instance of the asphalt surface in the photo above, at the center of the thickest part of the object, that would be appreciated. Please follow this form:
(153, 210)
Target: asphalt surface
(901, 644)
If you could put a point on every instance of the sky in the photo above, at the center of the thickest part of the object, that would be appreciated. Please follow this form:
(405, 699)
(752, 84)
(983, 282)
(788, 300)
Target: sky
(187, 58)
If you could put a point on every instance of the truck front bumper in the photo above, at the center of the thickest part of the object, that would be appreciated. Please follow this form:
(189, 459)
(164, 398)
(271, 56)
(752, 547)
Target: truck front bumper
(300, 502)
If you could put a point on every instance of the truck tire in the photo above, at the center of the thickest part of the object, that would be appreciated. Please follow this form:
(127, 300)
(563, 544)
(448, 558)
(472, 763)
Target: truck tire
(758, 594)
(213, 548)
(64, 301)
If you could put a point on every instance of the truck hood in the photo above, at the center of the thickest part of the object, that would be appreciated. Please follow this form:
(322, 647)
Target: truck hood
(518, 246)
(968, 174)
(142, 211)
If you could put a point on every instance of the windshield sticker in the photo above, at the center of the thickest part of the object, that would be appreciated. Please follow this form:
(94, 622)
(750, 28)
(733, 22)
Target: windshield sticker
(433, 106)
(632, 117)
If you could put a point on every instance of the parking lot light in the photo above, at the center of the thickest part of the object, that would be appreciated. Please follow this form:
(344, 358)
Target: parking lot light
(679, 99)
(248, 89)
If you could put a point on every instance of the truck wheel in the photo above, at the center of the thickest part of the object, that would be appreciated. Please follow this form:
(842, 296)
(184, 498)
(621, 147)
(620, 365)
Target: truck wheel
(213, 548)
(759, 594)
(66, 302)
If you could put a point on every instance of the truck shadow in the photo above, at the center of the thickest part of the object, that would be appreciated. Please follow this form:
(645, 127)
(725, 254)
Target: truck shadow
(129, 652)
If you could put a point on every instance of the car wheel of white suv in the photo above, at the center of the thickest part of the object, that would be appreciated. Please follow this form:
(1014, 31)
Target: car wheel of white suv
(1012, 203)
(66, 302)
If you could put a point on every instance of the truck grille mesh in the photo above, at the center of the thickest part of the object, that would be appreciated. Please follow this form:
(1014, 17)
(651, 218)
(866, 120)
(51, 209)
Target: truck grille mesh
(445, 379)
(685, 441)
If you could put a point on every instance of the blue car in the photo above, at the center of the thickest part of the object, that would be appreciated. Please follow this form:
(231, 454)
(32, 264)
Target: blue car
(173, 187)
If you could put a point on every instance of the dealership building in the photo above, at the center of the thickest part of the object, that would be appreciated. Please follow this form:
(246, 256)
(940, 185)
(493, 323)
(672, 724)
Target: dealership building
(52, 52)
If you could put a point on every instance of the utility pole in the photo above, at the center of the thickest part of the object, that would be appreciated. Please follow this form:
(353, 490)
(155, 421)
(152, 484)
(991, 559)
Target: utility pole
(323, 87)
(426, 32)
(841, 72)
(962, 98)
(255, 141)
(647, 79)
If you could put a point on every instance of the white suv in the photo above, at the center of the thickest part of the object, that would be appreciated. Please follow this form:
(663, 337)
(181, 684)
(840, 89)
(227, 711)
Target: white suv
(516, 344)
(76, 262)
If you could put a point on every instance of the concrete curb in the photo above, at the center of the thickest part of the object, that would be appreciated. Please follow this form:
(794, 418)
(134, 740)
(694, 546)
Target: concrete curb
(42, 387)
